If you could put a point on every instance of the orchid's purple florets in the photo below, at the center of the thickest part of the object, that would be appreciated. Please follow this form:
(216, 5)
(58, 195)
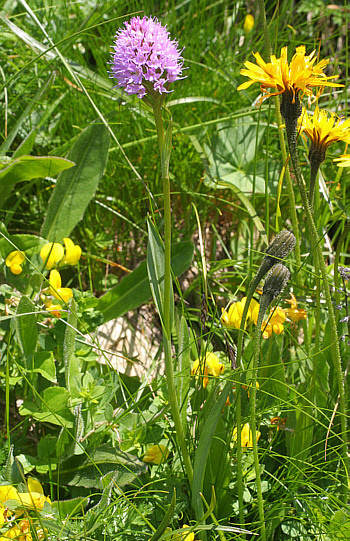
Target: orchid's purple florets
(143, 55)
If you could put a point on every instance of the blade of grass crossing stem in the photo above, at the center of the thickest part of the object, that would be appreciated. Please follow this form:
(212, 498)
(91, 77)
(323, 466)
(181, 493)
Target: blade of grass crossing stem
(167, 518)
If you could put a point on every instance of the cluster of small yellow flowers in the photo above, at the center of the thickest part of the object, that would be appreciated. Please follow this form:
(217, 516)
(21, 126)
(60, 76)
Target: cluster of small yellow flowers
(232, 318)
(209, 365)
(33, 500)
(156, 454)
(53, 254)
(246, 436)
(14, 261)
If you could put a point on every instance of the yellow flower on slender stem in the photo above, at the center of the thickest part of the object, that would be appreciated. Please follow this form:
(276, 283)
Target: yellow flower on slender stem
(322, 129)
(232, 318)
(209, 365)
(55, 289)
(248, 24)
(51, 254)
(246, 436)
(73, 253)
(294, 313)
(156, 454)
(275, 323)
(302, 74)
(14, 261)
(344, 160)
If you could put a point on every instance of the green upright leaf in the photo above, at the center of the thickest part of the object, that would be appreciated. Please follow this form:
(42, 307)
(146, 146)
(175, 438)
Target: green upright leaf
(134, 289)
(155, 266)
(74, 189)
(26, 330)
(183, 374)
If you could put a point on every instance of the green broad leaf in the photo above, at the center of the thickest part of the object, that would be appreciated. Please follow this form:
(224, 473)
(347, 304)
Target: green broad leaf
(74, 189)
(134, 289)
(26, 146)
(232, 158)
(29, 244)
(155, 267)
(214, 180)
(97, 469)
(26, 168)
(54, 408)
(26, 329)
(166, 520)
(44, 363)
(69, 508)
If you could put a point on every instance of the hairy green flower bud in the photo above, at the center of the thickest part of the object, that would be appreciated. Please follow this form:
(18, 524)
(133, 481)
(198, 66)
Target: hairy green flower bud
(275, 283)
(281, 246)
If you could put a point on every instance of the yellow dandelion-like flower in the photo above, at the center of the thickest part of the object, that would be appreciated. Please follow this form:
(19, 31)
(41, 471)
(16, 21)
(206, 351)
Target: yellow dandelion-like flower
(302, 74)
(344, 160)
(323, 128)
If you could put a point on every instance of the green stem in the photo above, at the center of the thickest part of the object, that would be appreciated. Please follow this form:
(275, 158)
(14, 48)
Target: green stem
(165, 157)
(283, 147)
(317, 251)
(256, 351)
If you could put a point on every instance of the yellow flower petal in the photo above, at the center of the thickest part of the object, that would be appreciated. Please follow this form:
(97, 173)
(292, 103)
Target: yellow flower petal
(156, 454)
(51, 253)
(73, 252)
(60, 293)
(34, 485)
(344, 160)
(246, 436)
(8, 492)
(14, 261)
(300, 75)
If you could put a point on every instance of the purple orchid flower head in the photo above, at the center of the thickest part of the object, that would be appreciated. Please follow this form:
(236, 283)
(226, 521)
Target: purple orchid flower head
(145, 60)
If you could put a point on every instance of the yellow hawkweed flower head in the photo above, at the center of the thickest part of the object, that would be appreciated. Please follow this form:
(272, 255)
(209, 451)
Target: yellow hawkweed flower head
(246, 436)
(323, 128)
(275, 323)
(209, 365)
(14, 261)
(294, 313)
(232, 318)
(344, 160)
(156, 454)
(302, 74)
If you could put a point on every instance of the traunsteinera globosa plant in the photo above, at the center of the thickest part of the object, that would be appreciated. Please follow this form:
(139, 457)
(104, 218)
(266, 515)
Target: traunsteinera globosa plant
(146, 61)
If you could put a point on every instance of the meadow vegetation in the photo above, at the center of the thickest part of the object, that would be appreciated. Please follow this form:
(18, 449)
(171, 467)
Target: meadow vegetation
(213, 218)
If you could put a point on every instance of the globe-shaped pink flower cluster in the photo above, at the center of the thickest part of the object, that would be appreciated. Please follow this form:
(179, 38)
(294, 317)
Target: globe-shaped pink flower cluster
(145, 58)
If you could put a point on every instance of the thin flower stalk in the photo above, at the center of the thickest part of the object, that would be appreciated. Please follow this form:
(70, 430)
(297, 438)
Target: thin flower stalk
(317, 252)
(168, 292)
